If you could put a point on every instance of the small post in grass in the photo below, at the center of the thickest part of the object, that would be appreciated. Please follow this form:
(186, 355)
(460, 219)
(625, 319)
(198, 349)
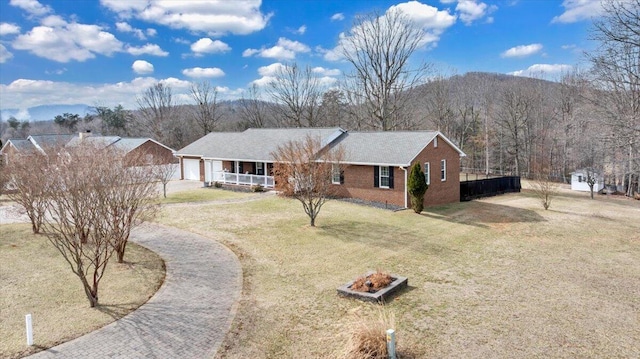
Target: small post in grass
(29, 330)
(391, 343)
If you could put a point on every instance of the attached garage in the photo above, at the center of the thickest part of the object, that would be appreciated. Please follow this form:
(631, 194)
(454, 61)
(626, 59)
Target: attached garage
(191, 168)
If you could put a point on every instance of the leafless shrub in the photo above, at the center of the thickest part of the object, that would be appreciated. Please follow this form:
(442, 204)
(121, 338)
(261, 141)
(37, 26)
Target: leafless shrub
(28, 176)
(93, 202)
(545, 189)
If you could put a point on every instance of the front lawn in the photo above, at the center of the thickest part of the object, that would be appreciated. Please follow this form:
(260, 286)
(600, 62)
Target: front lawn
(498, 277)
(204, 195)
(35, 279)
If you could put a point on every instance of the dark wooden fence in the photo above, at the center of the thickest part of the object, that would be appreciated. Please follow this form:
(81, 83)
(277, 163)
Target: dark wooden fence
(488, 187)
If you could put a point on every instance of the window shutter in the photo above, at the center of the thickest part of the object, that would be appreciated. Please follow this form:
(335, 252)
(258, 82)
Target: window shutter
(390, 177)
(341, 177)
(376, 176)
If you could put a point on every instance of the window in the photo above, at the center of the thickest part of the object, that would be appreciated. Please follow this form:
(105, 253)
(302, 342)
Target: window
(579, 178)
(443, 170)
(336, 175)
(435, 142)
(259, 168)
(427, 172)
(384, 177)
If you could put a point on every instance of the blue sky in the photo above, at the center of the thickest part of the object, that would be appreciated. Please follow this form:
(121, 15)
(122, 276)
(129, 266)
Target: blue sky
(105, 52)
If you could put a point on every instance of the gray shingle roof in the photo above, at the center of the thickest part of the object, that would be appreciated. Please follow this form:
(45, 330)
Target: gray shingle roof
(52, 140)
(94, 140)
(23, 145)
(385, 148)
(254, 144)
(391, 148)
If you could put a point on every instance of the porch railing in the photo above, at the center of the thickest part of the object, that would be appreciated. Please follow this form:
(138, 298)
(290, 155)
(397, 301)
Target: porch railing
(243, 179)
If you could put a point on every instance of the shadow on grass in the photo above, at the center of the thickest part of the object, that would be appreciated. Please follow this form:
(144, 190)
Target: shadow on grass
(379, 235)
(479, 214)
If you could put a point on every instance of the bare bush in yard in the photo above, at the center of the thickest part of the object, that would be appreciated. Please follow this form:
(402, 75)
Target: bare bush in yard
(368, 335)
(545, 189)
(304, 169)
(26, 174)
(94, 200)
(164, 172)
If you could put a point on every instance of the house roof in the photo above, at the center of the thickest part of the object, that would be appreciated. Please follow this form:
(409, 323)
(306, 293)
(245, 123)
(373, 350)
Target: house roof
(391, 148)
(54, 140)
(129, 144)
(254, 144)
(93, 140)
(19, 145)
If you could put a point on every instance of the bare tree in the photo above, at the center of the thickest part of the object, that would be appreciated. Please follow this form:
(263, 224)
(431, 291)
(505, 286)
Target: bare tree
(513, 119)
(616, 69)
(333, 108)
(379, 48)
(253, 111)
(156, 107)
(545, 189)
(206, 111)
(164, 172)
(28, 175)
(93, 202)
(297, 95)
(304, 170)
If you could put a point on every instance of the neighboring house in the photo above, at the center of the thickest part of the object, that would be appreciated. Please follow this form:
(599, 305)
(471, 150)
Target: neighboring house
(135, 148)
(376, 164)
(579, 180)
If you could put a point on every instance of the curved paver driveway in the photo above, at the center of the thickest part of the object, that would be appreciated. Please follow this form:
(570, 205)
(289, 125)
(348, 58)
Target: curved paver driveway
(187, 318)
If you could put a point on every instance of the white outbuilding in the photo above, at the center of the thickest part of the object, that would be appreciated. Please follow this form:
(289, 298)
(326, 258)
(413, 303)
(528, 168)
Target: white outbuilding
(579, 180)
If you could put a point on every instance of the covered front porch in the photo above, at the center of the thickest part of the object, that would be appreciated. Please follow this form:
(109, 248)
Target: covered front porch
(239, 173)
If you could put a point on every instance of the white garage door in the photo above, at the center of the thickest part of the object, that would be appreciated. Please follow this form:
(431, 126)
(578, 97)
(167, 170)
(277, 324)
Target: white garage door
(191, 169)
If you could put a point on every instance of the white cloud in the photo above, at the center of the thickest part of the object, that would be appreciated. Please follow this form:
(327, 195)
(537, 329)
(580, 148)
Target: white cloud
(543, 70)
(208, 46)
(327, 81)
(522, 50)
(325, 72)
(199, 72)
(125, 27)
(301, 30)
(271, 70)
(142, 67)
(425, 16)
(148, 49)
(9, 29)
(5, 55)
(68, 41)
(432, 21)
(577, 10)
(33, 7)
(337, 17)
(214, 17)
(285, 49)
(151, 32)
(470, 11)
(24, 93)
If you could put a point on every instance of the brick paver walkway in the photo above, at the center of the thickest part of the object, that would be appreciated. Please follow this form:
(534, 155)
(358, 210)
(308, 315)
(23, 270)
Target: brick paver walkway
(187, 318)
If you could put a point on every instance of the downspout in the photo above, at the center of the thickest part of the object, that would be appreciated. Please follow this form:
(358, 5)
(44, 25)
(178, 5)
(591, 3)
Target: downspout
(405, 185)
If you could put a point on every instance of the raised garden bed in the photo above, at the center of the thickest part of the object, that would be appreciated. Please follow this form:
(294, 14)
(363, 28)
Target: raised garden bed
(379, 295)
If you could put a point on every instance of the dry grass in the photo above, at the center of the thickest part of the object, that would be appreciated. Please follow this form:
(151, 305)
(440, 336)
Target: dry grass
(36, 279)
(203, 195)
(368, 335)
(498, 277)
